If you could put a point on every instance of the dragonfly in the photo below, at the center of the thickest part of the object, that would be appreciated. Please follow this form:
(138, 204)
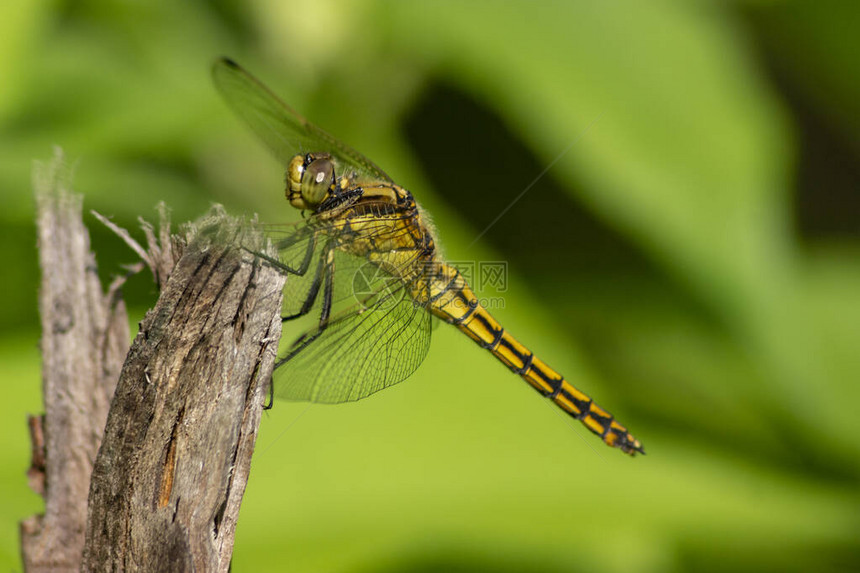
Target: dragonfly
(365, 266)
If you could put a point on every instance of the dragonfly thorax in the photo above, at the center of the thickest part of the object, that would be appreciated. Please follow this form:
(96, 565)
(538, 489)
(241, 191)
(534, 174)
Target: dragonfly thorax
(310, 180)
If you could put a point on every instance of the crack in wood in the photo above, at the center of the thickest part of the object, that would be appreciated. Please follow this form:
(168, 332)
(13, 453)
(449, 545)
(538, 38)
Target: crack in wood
(169, 465)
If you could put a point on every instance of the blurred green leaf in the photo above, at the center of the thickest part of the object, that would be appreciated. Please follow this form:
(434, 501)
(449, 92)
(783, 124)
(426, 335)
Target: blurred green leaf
(724, 341)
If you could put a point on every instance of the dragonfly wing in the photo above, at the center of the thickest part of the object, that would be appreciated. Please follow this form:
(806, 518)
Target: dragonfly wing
(283, 130)
(301, 249)
(371, 344)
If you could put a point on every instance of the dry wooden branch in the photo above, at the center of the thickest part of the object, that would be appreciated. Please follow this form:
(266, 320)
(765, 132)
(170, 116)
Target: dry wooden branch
(84, 342)
(173, 464)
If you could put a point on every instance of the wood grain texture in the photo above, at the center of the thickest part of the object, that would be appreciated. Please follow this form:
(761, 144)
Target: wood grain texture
(147, 473)
(172, 469)
(85, 338)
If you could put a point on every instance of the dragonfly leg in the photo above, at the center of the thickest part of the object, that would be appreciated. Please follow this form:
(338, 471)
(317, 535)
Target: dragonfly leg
(312, 294)
(325, 314)
(283, 267)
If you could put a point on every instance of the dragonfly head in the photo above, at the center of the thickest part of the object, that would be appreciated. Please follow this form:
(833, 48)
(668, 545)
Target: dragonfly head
(310, 179)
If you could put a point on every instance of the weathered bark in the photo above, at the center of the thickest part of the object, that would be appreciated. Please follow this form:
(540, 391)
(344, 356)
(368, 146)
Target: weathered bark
(84, 341)
(174, 460)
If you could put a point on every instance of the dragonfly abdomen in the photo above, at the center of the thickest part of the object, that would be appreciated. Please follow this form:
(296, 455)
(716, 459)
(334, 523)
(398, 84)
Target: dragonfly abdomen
(454, 302)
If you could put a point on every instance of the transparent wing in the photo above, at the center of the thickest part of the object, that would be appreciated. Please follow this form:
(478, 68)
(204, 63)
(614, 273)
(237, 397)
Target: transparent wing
(377, 335)
(284, 131)
(358, 354)
(301, 247)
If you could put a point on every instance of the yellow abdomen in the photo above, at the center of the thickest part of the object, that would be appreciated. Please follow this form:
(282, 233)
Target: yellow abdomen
(453, 301)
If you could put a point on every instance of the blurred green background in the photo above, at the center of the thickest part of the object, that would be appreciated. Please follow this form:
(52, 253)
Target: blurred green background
(691, 258)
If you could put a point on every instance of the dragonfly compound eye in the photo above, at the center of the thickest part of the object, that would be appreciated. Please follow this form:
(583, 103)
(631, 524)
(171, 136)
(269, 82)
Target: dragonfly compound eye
(317, 179)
